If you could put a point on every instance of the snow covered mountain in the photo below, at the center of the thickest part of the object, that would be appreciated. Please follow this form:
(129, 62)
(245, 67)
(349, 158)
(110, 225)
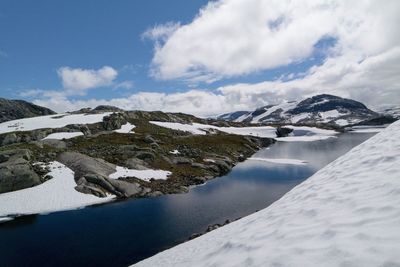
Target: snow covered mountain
(319, 109)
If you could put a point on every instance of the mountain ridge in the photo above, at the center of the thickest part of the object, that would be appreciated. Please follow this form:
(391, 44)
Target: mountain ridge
(319, 109)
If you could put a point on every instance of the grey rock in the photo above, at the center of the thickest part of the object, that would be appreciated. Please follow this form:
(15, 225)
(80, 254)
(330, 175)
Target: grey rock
(82, 164)
(16, 172)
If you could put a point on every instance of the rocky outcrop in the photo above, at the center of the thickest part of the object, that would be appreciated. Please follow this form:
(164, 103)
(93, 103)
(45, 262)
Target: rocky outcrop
(113, 121)
(16, 171)
(91, 176)
(19, 109)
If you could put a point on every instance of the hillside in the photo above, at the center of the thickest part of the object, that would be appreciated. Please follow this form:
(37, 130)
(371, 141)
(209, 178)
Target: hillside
(346, 214)
(18, 109)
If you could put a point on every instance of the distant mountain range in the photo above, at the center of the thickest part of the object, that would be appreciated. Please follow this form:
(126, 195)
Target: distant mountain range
(319, 109)
(18, 109)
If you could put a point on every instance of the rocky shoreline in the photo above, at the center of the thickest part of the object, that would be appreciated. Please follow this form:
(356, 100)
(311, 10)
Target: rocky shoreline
(191, 159)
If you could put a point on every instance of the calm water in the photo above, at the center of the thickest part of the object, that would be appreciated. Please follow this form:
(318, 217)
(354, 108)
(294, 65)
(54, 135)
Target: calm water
(122, 233)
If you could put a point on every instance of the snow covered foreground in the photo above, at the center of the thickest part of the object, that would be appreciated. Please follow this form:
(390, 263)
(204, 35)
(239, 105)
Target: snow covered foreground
(55, 194)
(59, 193)
(347, 214)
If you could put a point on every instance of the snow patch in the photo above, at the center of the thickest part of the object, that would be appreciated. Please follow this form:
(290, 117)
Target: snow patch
(63, 135)
(50, 121)
(126, 128)
(55, 194)
(175, 152)
(145, 175)
(201, 129)
(342, 122)
(346, 214)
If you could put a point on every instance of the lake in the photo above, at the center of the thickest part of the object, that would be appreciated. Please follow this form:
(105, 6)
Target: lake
(125, 232)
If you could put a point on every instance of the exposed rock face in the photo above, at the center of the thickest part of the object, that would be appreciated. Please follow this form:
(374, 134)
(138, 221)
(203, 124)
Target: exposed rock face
(91, 175)
(16, 172)
(18, 109)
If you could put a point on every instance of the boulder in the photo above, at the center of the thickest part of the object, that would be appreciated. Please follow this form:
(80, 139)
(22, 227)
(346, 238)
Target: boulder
(91, 175)
(16, 172)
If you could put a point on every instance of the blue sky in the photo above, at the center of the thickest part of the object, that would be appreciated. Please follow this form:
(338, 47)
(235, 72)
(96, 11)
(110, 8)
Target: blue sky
(206, 57)
(38, 37)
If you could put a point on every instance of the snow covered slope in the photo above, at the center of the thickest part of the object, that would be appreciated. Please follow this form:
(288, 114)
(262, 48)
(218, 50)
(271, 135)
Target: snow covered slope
(51, 121)
(317, 109)
(347, 214)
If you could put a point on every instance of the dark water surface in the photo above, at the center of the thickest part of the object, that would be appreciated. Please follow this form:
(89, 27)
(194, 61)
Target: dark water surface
(122, 233)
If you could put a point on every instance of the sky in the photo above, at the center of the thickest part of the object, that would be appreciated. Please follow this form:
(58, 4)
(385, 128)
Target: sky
(199, 57)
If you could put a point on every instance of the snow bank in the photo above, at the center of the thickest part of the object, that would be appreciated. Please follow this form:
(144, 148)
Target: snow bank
(51, 121)
(347, 214)
(55, 194)
(63, 135)
(145, 175)
(126, 128)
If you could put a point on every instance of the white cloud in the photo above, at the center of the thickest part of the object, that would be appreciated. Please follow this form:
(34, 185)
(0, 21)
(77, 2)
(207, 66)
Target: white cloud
(161, 32)
(124, 85)
(235, 37)
(78, 81)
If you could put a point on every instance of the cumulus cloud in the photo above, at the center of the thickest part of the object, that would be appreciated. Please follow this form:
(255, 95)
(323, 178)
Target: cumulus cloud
(78, 81)
(234, 37)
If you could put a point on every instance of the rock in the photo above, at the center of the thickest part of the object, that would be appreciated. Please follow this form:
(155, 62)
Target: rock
(16, 172)
(91, 175)
(87, 189)
(113, 121)
(283, 131)
(82, 164)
